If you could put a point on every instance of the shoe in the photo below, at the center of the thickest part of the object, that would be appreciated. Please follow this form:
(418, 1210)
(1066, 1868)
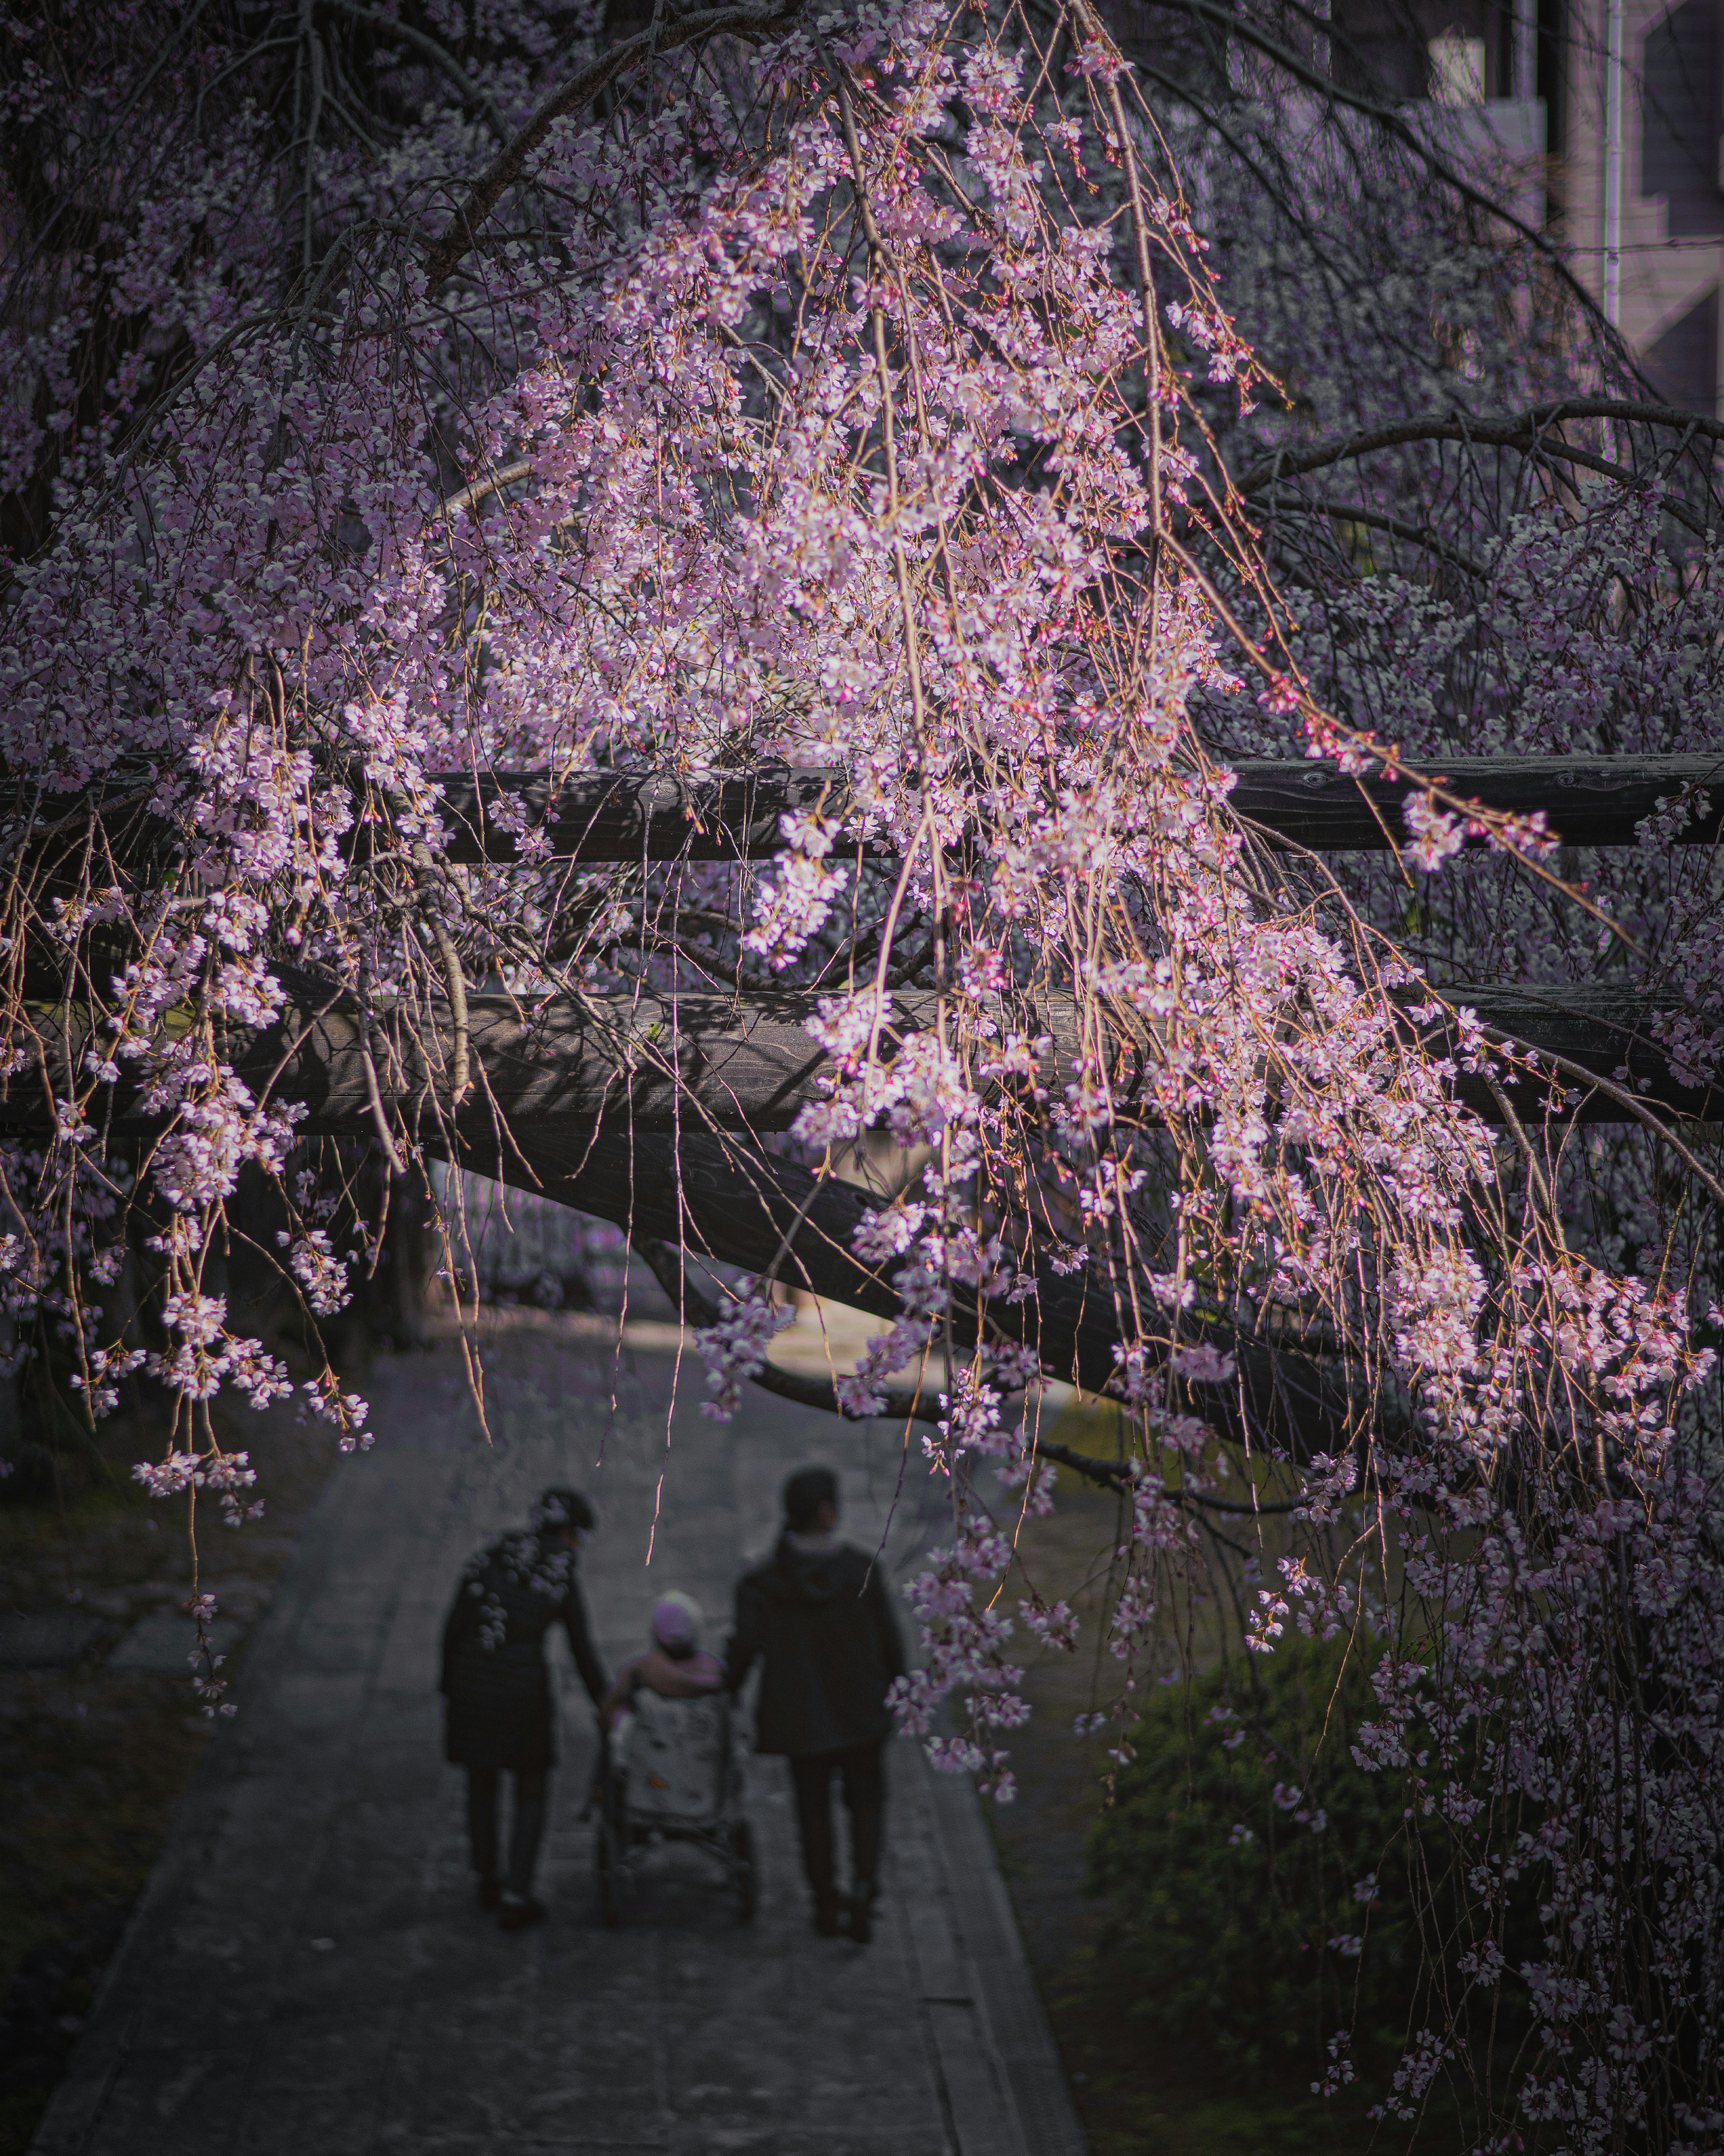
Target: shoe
(861, 1915)
(827, 1921)
(491, 1892)
(518, 1914)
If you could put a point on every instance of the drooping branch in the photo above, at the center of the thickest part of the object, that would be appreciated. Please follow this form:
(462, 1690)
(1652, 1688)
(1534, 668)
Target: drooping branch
(899, 1404)
(645, 817)
(1375, 519)
(463, 229)
(392, 30)
(1236, 23)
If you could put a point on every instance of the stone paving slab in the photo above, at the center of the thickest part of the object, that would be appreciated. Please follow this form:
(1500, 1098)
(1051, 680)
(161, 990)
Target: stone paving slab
(47, 1640)
(307, 1969)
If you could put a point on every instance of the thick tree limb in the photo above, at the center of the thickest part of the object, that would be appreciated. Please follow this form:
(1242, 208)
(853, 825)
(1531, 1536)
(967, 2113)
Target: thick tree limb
(748, 1064)
(723, 1199)
(645, 1063)
(1110, 1473)
(1524, 431)
(718, 1195)
(901, 1404)
(1116, 1474)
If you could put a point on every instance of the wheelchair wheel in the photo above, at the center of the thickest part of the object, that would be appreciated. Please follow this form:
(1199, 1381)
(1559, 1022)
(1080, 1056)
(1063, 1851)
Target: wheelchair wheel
(744, 1870)
(607, 1853)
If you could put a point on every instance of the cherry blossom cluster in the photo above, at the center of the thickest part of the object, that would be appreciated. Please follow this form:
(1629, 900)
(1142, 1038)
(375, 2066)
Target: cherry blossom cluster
(850, 396)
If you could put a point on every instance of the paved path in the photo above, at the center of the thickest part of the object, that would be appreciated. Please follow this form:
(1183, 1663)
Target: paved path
(307, 1973)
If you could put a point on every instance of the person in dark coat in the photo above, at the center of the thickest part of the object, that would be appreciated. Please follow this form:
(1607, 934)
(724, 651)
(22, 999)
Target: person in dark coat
(497, 1690)
(818, 1617)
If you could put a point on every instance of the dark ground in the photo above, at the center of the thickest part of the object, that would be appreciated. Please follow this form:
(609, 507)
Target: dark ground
(306, 1970)
(96, 1757)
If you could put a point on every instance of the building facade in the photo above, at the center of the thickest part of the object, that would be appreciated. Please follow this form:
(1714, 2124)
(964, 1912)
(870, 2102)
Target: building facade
(1640, 92)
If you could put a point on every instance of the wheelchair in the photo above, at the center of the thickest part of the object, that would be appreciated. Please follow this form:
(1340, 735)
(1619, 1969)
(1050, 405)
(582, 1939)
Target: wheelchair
(671, 1770)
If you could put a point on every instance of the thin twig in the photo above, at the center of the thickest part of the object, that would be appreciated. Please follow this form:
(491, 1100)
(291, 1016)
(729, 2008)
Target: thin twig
(900, 1404)
(391, 29)
(461, 231)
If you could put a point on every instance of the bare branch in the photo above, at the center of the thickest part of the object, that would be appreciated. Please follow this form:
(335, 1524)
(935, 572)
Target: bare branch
(463, 228)
(1524, 431)
(395, 31)
(1356, 512)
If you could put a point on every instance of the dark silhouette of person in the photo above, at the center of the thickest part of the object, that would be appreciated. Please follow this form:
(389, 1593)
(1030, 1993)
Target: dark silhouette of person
(818, 1617)
(497, 1690)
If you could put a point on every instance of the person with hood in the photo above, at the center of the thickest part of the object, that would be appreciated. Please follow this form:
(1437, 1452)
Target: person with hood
(818, 1617)
(676, 1666)
(497, 1690)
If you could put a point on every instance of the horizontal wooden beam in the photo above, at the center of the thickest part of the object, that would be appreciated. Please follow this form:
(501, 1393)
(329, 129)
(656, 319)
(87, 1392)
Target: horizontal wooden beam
(636, 816)
(604, 816)
(749, 1064)
(1588, 800)
(1606, 1031)
(616, 816)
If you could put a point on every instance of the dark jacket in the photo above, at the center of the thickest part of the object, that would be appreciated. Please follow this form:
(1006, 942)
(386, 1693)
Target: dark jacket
(822, 1623)
(494, 1680)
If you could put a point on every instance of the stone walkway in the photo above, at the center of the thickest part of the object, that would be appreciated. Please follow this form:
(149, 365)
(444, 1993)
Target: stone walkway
(307, 1972)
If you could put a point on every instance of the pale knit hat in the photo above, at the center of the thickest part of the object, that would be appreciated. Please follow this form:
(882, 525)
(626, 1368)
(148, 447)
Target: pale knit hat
(676, 1624)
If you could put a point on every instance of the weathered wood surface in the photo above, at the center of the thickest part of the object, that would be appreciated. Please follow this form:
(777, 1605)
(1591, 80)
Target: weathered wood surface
(1589, 801)
(748, 1062)
(614, 817)
(647, 1063)
(636, 816)
(1603, 1030)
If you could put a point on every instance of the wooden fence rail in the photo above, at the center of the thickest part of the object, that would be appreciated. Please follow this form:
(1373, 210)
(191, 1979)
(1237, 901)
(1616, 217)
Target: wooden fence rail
(602, 816)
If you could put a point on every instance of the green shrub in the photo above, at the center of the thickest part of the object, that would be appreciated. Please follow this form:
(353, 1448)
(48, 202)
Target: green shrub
(1256, 1877)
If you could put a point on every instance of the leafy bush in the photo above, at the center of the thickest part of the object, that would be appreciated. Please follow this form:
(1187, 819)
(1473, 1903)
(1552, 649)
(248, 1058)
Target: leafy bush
(1257, 1877)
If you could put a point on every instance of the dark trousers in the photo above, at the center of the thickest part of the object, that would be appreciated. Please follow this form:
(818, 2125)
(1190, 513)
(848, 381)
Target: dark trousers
(532, 1792)
(860, 1767)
